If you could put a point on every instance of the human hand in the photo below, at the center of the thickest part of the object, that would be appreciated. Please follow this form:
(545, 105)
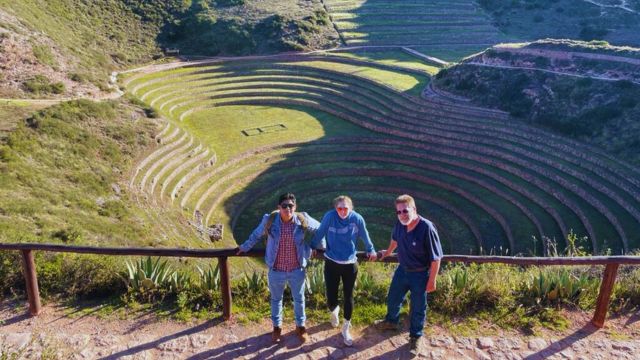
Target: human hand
(372, 256)
(239, 251)
(431, 286)
(382, 254)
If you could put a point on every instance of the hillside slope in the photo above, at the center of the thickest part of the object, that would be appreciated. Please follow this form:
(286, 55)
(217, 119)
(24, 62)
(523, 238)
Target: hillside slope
(63, 178)
(616, 21)
(589, 91)
(68, 48)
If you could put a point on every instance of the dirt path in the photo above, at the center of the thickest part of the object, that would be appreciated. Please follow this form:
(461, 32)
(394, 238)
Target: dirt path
(59, 332)
(564, 73)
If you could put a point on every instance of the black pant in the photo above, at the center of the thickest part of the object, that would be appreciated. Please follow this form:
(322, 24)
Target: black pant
(333, 272)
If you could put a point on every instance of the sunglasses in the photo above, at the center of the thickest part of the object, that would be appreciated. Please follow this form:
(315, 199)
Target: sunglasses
(403, 211)
(342, 208)
(288, 205)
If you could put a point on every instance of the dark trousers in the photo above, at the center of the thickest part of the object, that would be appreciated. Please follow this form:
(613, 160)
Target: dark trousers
(416, 283)
(333, 273)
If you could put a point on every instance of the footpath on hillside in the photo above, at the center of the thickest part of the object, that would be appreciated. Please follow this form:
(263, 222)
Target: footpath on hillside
(60, 333)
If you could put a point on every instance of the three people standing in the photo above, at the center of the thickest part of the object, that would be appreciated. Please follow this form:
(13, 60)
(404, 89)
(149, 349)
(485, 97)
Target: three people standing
(288, 253)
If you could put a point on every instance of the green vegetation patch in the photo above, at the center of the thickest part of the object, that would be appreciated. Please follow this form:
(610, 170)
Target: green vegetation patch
(603, 113)
(40, 85)
(240, 27)
(105, 34)
(60, 171)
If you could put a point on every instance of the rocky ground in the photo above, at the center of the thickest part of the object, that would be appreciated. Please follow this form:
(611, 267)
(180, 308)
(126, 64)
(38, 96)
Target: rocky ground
(59, 333)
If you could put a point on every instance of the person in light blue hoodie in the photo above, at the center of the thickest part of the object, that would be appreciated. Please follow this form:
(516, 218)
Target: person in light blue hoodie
(342, 227)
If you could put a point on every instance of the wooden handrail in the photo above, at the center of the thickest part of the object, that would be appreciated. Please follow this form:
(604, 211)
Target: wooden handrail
(612, 263)
(231, 252)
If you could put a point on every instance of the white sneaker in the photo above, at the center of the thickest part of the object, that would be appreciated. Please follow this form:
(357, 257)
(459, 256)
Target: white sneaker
(335, 317)
(348, 340)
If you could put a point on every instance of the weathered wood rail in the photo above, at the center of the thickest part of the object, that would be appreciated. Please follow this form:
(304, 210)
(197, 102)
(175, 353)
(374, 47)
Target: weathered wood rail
(611, 264)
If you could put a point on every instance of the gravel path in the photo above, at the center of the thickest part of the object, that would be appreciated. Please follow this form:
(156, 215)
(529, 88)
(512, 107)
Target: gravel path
(59, 333)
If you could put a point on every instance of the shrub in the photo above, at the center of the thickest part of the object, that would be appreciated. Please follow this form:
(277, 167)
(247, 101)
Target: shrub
(627, 289)
(39, 84)
(315, 278)
(209, 278)
(68, 235)
(559, 285)
(464, 288)
(79, 77)
(75, 275)
(253, 285)
(150, 112)
(147, 280)
(44, 55)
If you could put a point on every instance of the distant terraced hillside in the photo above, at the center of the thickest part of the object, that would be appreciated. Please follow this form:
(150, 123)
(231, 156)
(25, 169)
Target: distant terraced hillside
(447, 29)
(240, 132)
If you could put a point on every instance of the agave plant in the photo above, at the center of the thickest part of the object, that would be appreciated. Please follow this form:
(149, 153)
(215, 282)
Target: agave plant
(255, 283)
(180, 281)
(210, 278)
(145, 274)
(366, 282)
(556, 285)
(315, 279)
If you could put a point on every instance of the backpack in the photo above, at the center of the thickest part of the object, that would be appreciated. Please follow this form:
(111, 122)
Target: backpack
(272, 217)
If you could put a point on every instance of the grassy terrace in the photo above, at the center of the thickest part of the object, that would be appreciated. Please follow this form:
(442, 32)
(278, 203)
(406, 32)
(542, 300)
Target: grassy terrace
(429, 27)
(324, 126)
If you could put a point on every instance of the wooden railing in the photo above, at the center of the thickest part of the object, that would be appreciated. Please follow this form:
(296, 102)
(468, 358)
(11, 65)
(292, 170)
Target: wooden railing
(608, 280)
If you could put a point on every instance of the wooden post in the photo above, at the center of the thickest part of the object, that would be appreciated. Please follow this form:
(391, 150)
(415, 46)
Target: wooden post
(606, 288)
(31, 280)
(225, 287)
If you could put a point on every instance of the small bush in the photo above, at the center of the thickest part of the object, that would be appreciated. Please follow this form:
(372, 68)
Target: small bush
(79, 77)
(554, 286)
(44, 55)
(149, 281)
(39, 84)
(68, 235)
(253, 285)
(464, 288)
(150, 112)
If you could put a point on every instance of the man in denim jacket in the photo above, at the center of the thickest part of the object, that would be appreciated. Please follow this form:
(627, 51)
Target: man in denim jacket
(287, 254)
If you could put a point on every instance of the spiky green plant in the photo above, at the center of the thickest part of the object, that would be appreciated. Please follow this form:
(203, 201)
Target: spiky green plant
(253, 284)
(180, 281)
(315, 278)
(145, 274)
(555, 285)
(209, 278)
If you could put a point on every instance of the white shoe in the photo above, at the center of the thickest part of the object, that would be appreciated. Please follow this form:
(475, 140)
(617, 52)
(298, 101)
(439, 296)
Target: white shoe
(348, 340)
(335, 317)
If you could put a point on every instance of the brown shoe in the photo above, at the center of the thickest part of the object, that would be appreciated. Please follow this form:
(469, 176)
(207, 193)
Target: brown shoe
(276, 335)
(415, 347)
(302, 334)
